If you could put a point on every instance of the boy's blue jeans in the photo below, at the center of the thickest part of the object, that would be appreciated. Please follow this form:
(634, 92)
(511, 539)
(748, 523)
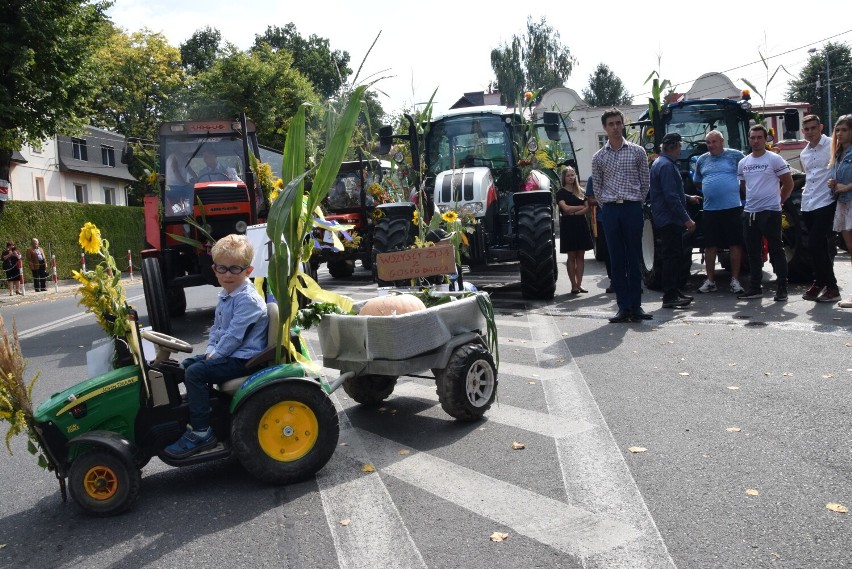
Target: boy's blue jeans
(200, 374)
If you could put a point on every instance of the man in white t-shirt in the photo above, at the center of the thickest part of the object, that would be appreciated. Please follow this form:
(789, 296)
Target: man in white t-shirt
(767, 183)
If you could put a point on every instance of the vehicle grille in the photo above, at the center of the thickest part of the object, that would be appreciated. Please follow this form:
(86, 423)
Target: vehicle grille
(226, 194)
(454, 189)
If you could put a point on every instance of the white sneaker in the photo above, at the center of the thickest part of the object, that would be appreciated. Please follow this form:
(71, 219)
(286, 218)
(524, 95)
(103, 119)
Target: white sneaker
(736, 287)
(708, 286)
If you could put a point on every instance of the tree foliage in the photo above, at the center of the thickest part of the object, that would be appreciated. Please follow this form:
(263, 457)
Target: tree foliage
(201, 50)
(810, 86)
(45, 72)
(142, 80)
(263, 83)
(606, 89)
(313, 57)
(535, 60)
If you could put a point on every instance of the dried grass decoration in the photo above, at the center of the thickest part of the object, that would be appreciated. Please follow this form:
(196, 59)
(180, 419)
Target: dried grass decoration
(16, 404)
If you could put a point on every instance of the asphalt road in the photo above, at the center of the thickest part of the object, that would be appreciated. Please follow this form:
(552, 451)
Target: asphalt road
(726, 396)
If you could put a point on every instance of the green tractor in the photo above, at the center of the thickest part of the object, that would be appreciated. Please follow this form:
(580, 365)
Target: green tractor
(279, 423)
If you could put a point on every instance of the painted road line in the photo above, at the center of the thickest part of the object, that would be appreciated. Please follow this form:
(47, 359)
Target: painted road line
(376, 535)
(569, 529)
(508, 415)
(30, 332)
(595, 474)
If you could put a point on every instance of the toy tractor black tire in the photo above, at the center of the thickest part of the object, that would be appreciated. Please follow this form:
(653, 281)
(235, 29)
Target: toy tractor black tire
(341, 269)
(468, 385)
(369, 389)
(285, 432)
(537, 251)
(390, 234)
(155, 296)
(103, 484)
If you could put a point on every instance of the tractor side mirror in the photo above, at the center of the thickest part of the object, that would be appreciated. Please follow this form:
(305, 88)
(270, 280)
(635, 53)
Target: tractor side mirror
(127, 155)
(385, 140)
(551, 125)
(791, 123)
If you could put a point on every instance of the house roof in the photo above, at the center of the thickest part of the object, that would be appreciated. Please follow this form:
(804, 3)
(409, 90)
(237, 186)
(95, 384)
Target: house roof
(17, 157)
(95, 138)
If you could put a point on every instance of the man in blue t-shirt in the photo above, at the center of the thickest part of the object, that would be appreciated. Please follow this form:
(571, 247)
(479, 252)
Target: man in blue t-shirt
(716, 176)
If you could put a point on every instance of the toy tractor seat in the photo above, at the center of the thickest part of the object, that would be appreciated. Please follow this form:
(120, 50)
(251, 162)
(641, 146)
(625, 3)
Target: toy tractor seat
(230, 387)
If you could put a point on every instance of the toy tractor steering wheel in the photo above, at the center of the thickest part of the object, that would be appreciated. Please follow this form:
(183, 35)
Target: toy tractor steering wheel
(166, 344)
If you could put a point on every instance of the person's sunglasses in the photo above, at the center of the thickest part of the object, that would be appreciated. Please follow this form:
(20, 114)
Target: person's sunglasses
(233, 269)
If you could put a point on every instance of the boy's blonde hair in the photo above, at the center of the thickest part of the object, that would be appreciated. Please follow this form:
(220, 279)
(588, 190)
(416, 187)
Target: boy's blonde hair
(237, 247)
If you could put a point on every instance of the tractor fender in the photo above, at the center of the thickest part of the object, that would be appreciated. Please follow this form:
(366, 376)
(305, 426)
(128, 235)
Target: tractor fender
(110, 441)
(533, 197)
(267, 377)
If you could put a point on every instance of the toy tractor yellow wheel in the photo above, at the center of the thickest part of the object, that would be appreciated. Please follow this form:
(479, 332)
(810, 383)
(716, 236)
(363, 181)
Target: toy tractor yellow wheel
(285, 432)
(103, 484)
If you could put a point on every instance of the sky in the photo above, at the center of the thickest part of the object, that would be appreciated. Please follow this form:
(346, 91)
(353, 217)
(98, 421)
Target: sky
(447, 45)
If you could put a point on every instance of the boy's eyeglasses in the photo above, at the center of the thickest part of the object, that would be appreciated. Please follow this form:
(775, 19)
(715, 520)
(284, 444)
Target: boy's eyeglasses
(233, 269)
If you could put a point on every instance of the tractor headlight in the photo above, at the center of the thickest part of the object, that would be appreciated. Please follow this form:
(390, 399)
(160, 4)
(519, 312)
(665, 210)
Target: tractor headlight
(240, 226)
(472, 209)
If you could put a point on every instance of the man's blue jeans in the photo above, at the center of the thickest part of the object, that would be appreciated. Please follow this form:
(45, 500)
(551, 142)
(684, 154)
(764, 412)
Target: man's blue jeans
(623, 230)
(200, 374)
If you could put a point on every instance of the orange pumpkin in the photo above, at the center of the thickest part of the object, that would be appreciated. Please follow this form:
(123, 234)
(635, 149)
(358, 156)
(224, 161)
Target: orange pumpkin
(392, 305)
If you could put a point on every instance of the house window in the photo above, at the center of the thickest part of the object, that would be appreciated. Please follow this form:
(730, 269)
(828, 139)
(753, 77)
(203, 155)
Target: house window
(36, 148)
(109, 196)
(108, 155)
(80, 150)
(39, 189)
(602, 138)
(81, 193)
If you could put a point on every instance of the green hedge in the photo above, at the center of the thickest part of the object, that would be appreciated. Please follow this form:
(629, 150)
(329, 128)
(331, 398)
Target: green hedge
(57, 225)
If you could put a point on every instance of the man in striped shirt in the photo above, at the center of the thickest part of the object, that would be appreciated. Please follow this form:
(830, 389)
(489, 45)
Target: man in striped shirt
(622, 180)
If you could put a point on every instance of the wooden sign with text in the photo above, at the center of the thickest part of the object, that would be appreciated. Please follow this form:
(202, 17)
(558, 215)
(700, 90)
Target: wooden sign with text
(414, 263)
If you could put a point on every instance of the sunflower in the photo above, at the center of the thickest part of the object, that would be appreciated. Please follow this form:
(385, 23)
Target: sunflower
(90, 238)
(449, 216)
(416, 218)
(151, 178)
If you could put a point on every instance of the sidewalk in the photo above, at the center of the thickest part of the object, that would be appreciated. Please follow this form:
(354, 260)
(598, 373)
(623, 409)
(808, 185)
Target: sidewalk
(65, 288)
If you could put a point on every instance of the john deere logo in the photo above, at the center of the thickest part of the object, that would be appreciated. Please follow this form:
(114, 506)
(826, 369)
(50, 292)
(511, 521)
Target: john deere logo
(72, 428)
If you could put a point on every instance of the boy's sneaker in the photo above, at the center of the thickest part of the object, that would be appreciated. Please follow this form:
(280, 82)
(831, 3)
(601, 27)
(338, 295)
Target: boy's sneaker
(845, 303)
(751, 293)
(736, 287)
(813, 292)
(708, 286)
(830, 294)
(780, 293)
(192, 442)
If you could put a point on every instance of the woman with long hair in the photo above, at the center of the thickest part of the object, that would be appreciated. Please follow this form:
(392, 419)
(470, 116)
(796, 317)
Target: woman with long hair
(574, 235)
(840, 182)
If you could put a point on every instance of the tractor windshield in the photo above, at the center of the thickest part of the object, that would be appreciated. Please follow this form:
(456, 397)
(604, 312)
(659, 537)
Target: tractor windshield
(693, 122)
(466, 141)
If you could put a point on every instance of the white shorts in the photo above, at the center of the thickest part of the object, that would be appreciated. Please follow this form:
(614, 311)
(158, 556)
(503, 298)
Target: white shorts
(843, 216)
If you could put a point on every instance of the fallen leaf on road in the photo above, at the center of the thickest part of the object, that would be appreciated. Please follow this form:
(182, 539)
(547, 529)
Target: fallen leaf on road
(404, 452)
(849, 344)
(518, 446)
(531, 382)
(828, 376)
(498, 536)
(752, 492)
(786, 374)
(2, 545)
(565, 334)
(767, 374)
(733, 364)
(635, 450)
(835, 507)
(345, 522)
(344, 444)
(733, 387)
(393, 411)
(684, 373)
(697, 334)
(368, 468)
(733, 429)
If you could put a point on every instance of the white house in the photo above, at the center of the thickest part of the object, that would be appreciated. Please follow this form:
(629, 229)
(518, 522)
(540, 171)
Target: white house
(84, 169)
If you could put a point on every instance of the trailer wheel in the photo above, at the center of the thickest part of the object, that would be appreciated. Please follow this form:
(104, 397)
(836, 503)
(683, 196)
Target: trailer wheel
(537, 251)
(155, 296)
(390, 234)
(369, 389)
(102, 484)
(341, 269)
(285, 432)
(468, 385)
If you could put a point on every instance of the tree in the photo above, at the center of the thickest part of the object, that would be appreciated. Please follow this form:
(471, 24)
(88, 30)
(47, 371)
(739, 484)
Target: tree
(141, 83)
(201, 50)
(264, 83)
(810, 86)
(313, 57)
(536, 60)
(45, 70)
(605, 89)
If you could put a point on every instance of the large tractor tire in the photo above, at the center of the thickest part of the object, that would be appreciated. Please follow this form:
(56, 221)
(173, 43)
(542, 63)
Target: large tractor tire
(102, 484)
(285, 432)
(468, 385)
(537, 251)
(156, 299)
(341, 269)
(369, 389)
(389, 234)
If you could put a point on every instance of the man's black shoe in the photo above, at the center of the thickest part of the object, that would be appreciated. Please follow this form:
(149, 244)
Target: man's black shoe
(609, 290)
(638, 314)
(686, 296)
(751, 293)
(676, 302)
(620, 316)
(781, 293)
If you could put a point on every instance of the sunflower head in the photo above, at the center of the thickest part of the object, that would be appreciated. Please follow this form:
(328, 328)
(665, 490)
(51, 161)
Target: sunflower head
(416, 218)
(90, 238)
(449, 216)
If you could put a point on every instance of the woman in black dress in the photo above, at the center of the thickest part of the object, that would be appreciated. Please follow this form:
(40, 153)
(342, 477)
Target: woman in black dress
(574, 236)
(11, 256)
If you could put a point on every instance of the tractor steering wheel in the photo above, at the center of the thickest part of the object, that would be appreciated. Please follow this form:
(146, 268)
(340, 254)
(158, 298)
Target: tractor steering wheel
(166, 341)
